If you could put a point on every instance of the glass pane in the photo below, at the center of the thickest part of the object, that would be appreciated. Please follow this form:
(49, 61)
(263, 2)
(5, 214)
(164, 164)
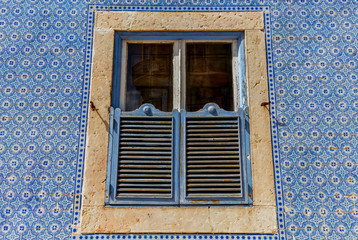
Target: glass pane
(208, 75)
(149, 76)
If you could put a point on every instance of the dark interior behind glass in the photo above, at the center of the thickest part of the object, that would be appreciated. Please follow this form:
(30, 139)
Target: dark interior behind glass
(150, 76)
(209, 75)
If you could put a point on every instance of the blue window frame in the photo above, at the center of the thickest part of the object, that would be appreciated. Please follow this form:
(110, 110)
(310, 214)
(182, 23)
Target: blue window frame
(177, 158)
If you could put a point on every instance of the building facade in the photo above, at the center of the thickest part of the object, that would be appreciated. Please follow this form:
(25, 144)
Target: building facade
(57, 70)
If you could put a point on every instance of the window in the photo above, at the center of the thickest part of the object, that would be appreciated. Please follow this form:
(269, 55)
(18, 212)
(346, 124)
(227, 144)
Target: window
(96, 216)
(179, 126)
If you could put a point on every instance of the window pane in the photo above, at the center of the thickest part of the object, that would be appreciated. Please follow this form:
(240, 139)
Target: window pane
(149, 76)
(208, 75)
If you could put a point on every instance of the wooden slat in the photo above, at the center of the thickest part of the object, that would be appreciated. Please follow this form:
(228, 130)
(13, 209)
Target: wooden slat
(145, 126)
(212, 157)
(193, 162)
(143, 171)
(147, 161)
(148, 135)
(145, 148)
(145, 190)
(213, 152)
(213, 180)
(146, 122)
(210, 130)
(216, 166)
(139, 180)
(143, 185)
(143, 175)
(216, 121)
(146, 166)
(228, 184)
(143, 139)
(213, 139)
(139, 153)
(144, 157)
(233, 143)
(212, 175)
(207, 126)
(213, 170)
(214, 190)
(132, 130)
(208, 148)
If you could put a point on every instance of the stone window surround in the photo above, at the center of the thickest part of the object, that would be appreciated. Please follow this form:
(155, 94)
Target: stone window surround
(260, 218)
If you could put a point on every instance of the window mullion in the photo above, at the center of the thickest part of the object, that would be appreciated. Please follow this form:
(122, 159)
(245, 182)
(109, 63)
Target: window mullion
(123, 84)
(235, 80)
(182, 73)
(176, 76)
(179, 75)
(241, 76)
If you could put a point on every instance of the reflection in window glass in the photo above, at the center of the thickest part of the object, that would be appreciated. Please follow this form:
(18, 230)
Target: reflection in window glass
(149, 76)
(208, 75)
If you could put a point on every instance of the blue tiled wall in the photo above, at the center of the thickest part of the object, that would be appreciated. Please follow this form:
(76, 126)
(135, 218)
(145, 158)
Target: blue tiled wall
(45, 52)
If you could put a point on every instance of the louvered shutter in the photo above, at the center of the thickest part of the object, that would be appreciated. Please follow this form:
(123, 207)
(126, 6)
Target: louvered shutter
(145, 157)
(212, 157)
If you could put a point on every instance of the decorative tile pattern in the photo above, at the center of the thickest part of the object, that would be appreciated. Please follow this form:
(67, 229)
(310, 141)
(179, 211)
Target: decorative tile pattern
(45, 55)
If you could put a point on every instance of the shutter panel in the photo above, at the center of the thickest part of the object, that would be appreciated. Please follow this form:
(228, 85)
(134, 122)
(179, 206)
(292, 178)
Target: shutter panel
(212, 157)
(146, 158)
